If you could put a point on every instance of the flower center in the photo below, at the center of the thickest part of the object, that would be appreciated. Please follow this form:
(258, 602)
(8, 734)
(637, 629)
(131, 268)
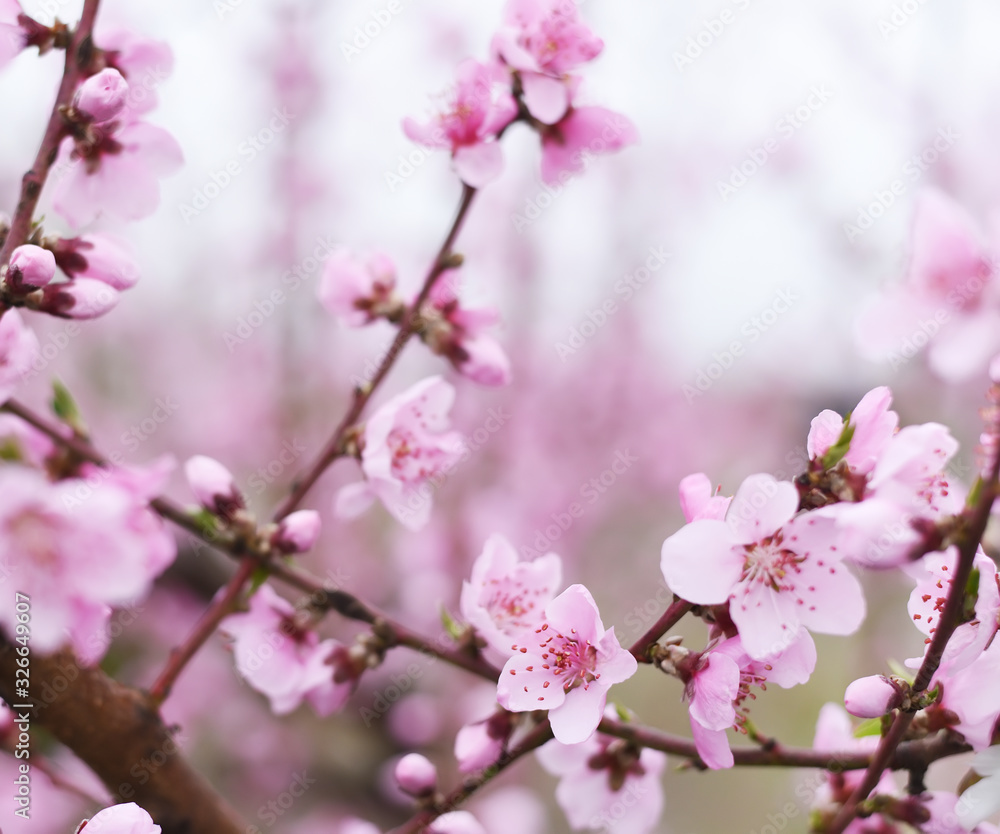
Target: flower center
(771, 564)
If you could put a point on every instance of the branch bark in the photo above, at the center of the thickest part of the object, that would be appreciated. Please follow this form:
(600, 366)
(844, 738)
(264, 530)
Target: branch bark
(116, 731)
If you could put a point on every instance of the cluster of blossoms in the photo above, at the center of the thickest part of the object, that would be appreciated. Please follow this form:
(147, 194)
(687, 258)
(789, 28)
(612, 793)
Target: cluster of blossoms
(79, 538)
(529, 78)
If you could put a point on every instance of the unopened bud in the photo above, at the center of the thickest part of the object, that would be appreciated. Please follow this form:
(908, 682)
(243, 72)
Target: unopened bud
(102, 96)
(213, 486)
(30, 267)
(82, 298)
(297, 532)
(872, 697)
(416, 775)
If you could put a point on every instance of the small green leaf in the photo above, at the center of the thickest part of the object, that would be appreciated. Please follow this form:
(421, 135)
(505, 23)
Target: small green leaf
(10, 450)
(871, 727)
(971, 597)
(455, 629)
(977, 489)
(258, 578)
(66, 409)
(835, 454)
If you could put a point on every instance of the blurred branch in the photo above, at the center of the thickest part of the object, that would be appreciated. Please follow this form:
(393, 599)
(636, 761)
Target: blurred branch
(334, 448)
(78, 59)
(115, 730)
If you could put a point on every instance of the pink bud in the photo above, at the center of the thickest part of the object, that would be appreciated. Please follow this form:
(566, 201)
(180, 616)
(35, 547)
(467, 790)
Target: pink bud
(30, 267)
(99, 257)
(485, 362)
(416, 775)
(456, 822)
(119, 818)
(297, 532)
(213, 485)
(872, 697)
(102, 96)
(83, 298)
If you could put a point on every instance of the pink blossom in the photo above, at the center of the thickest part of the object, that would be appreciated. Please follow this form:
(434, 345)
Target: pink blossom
(459, 334)
(569, 145)
(872, 697)
(928, 599)
(416, 775)
(99, 257)
(102, 97)
(949, 296)
(144, 63)
(970, 693)
(12, 36)
(873, 426)
(81, 298)
(18, 350)
(116, 174)
(606, 783)
(480, 107)
(213, 485)
(718, 689)
(358, 291)
(505, 598)
(406, 442)
(700, 500)
(777, 571)
(982, 800)
(456, 822)
(543, 40)
(128, 818)
(480, 744)
(566, 666)
(283, 660)
(77, 550)
(297, 532)
(30, 267)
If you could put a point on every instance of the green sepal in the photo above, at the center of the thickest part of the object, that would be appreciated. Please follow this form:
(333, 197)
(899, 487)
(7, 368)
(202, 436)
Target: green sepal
(66, 409)
(455, 629)
(835, 454)
(871, 727)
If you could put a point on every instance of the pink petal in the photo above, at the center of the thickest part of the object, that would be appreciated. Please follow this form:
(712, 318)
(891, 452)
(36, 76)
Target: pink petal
(575, 609)
(766, 619)
(761, 506)
(480, 164)
(547, 98)
(715, 687)
(700, 562)
(823, 433)
(521, 688)
(353, 499)
(712, 746)
(577, 719)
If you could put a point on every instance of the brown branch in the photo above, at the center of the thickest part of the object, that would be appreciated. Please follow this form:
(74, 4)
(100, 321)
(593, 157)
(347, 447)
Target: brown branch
(223, 605)
(673, 615)
(407, 327)
(117, 733)
(419, 822)
(78, 60)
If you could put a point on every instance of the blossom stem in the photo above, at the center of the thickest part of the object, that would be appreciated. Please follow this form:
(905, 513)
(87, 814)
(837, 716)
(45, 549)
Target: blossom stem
(674, 614)
(419, 822)
(334, 448)
(224, 604)
(971, 533)
(78, 58)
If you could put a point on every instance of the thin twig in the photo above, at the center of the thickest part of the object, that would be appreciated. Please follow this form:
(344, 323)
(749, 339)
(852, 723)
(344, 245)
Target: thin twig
(673, 615)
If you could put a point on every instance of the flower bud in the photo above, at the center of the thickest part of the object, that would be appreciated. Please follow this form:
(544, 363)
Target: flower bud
(872, 697)
(99, 257)
(82, 298)
(416, 775)
(126, 817)
(213, 486)
(297, 532)
(30, 267)
(358, 292)
(102, 96)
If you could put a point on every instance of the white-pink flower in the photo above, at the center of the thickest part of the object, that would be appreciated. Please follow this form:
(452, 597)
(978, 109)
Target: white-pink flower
(949, 300)
(12, 36)
(18, 350)
(544, 40)
(570, 145)
(118, 174)
(127, 818)
(700, 500)
(76, 550)
(102, 96)
(982, 800)
(283, 660)
(358, 291)
(479, 108)
(460, 334)
(606, 783)
(873, 425)
(777, 571)
(566, 666)
(928, 599)
(406, 443)
(505, 598)
(970, 694)
(98, 257)
(144, 63)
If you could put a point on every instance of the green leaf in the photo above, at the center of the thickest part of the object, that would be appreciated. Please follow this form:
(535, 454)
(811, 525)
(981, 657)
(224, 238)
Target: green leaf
(454, 628)
(66, 409)
(10, 450)
(900, 671)
(835, 454)
(973, 497)
(258, 578)
(871, 727)
(971, 597)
